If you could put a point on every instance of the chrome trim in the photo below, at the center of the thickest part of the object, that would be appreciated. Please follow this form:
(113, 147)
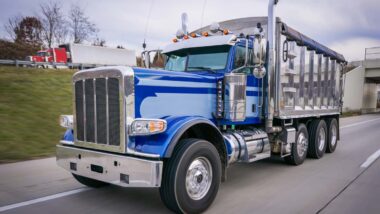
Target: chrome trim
(270, 104)
(84, 110)
(95, 114)
(198, 178)
(126, 105)
(139, 172)
(302, 144)
(66, 142)
(247, 145)
(107, 114)
(235, 85)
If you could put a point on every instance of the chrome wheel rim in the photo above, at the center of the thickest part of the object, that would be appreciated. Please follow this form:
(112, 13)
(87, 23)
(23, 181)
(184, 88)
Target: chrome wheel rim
(321, 139)
(198, 178)
(333, 135)
(301, 144)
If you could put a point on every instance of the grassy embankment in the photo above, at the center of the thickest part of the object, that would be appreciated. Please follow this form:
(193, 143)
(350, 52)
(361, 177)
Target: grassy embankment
(31, 101)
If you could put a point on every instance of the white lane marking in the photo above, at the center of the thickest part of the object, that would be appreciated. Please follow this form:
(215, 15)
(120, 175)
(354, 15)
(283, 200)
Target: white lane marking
(371, 159)
(46, 198)
(356, 124)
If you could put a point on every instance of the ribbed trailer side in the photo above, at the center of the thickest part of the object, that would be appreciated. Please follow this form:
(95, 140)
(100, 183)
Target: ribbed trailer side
(308, 76)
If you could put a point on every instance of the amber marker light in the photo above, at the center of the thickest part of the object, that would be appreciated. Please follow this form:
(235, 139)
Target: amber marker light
(205, 34)
(186, 37)
(226, 31)
(175, 40)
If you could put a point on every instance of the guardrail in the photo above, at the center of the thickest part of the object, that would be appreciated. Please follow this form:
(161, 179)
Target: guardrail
(372, 53)
(19, 63)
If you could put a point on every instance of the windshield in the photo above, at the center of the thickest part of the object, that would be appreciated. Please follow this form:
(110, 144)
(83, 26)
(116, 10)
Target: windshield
(41, 53)
(196, 59)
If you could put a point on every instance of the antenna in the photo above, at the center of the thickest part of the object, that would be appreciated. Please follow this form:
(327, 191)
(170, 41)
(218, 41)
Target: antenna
(203, 12)
(185, 21)
(147, 23)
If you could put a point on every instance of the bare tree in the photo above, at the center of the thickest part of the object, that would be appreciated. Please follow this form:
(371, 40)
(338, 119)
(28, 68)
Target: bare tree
(28, 31)
(99, 42)
(53, 22)
(11, 25)
(81, 28)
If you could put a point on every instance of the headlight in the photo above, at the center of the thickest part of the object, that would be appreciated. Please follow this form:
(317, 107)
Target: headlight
(147, 127)
(66, 121)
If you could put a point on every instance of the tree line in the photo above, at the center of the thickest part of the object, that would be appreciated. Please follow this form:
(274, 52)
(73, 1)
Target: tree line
(48, 28)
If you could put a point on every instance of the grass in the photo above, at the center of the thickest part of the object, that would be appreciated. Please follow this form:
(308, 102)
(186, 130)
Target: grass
(350, 114)
(31, 101)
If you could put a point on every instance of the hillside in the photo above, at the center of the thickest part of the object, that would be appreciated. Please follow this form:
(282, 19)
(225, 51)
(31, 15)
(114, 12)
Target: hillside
(31, 101)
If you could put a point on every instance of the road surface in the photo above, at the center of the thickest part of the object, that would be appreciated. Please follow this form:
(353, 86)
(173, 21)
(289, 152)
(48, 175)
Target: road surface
(347, 181)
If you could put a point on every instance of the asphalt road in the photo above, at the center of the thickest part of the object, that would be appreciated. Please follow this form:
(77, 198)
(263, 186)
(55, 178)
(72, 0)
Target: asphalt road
(343, 182)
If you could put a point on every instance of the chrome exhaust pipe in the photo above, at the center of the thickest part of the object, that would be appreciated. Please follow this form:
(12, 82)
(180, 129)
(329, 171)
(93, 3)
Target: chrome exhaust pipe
(271, 67)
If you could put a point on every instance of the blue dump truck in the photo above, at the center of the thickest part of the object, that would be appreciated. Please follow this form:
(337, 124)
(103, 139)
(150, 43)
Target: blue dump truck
(256, 90)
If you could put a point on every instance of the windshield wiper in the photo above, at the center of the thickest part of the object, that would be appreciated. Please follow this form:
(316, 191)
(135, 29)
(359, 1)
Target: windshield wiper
(203, 68)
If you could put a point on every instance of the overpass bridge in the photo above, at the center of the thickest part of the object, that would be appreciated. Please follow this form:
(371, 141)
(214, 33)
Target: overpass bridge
(362, 84)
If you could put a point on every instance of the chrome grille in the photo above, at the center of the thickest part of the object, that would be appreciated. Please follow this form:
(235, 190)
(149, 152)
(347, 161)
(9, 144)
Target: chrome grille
(97, 107)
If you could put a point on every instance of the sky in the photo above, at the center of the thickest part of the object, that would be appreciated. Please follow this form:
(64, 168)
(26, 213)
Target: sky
(345, 26)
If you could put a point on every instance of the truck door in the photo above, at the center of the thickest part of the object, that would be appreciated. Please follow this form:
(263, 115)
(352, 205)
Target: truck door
(254, 85)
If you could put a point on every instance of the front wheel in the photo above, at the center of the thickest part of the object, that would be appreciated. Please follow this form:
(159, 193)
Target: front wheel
(191, 177)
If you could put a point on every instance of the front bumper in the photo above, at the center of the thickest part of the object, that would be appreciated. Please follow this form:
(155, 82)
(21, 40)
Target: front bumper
(115, 169)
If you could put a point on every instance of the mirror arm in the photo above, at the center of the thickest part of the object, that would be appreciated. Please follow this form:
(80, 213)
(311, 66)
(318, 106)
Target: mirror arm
(246, 51)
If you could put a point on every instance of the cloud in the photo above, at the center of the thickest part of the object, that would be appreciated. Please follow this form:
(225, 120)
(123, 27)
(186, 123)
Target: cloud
(123, 22)
(354, 49)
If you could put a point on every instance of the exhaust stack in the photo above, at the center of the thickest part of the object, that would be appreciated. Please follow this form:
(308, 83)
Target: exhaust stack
(271, 69)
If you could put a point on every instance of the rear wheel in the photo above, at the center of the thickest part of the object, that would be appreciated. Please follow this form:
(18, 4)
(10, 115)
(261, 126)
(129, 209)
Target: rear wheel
(191, 177)
(299, 148)
(317, 139)
(332, 140)
(89, 181)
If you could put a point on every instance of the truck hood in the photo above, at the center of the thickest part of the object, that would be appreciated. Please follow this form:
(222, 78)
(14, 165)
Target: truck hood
(160, 93)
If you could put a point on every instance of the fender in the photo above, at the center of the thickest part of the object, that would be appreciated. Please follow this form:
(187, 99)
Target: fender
(163, 144)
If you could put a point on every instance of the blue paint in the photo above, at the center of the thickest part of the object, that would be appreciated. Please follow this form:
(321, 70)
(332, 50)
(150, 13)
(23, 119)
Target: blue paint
(182, 97)
(158, 144)
(69, 135)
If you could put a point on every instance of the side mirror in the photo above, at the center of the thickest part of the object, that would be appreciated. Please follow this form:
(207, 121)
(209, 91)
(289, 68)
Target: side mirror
(259, 71)
(259, 46)
(259, 51)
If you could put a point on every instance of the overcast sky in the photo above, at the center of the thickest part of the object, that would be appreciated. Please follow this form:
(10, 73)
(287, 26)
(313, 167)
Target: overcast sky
(345, 26)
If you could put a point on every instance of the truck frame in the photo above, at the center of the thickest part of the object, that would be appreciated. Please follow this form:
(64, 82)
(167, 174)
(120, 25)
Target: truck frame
(246, 90)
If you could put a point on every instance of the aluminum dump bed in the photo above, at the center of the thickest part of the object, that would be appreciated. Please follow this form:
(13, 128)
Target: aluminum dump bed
(308, 75)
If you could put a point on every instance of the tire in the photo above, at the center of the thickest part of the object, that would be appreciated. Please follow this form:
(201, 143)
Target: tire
(317, 139)
(174, 191)
(299, 148)
(89, 182)
(332, 139)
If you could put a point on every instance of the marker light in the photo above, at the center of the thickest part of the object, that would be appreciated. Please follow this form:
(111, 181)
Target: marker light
(226, 31)
(66, 121)
(147, 127)
(205, 34)
(175, 40)
(194, 35)
(186, 37)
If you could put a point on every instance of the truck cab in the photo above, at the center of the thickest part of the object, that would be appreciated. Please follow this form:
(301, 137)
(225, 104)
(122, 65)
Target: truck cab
(51, 55)
(224, 96)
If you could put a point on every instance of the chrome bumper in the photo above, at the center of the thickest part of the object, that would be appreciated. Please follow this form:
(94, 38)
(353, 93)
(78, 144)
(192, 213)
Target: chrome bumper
(115, 169)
